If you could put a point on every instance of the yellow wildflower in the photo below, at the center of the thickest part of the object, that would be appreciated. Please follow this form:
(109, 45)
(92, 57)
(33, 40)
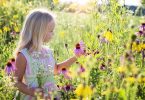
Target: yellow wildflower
(61, 34)
(6, 29)
(136, 47)
(83, 90)
(16, 29)
(15, 16)
(143, 45)
(122, 69)
(108, 35)
(130, 79)
(141, 80)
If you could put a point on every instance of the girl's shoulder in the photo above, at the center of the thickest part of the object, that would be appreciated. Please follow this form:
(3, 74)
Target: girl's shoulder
(21, 57)
(21, 60)
(25, 54)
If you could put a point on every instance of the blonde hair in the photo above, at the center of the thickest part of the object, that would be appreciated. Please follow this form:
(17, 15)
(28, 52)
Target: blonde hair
(34, 29)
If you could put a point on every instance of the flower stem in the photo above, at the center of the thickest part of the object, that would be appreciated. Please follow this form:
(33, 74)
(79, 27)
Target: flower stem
(143, 56)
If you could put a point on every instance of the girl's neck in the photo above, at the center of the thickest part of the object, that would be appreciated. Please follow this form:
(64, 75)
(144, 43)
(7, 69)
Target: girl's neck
(35, 50)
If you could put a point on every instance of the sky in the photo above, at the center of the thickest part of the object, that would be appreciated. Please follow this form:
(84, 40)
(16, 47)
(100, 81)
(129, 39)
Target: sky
(131, 2)
(81, 2)
(127, 2)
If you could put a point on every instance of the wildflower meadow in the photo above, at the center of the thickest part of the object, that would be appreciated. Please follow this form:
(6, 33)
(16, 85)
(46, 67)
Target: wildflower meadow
(113, 64)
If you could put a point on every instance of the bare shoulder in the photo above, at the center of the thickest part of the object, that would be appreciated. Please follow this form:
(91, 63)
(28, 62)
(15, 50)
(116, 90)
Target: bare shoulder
(21, 61)
(20, 66)
(21, 58)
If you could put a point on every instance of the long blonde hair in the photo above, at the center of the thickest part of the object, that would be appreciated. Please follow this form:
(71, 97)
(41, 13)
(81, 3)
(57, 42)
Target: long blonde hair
(34, 29)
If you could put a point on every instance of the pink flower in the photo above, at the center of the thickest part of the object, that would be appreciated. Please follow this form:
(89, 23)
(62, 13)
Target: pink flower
(67, 88)
(9, 68)
(103, 40)
(65, 73)
(82, 45)
(142, 27)
(13, 63)
(80, 49)
(81, 68)
(141, 30)
(103, 67)
(140, 33)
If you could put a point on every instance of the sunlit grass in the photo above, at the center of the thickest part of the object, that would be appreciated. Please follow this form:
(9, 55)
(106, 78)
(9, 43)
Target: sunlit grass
(112, 70)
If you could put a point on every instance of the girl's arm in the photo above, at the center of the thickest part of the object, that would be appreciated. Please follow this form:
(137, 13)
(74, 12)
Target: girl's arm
(19, 73)
(65, 64)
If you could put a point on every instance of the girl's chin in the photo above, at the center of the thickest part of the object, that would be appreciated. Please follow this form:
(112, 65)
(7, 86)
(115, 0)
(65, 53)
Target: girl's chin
(47, 40)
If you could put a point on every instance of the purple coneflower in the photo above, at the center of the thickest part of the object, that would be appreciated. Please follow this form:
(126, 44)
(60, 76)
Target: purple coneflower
(82, 45)
(65, 73)
(80, 48)
(139, 33)
(9, 68)
(81, 70)
(102, 67)
(103, 40)
(142, 27)
(13, 63)
(67, 87)
(78, 51)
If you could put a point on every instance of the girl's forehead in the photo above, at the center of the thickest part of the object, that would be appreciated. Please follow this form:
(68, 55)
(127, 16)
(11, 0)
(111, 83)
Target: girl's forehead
(52, 22)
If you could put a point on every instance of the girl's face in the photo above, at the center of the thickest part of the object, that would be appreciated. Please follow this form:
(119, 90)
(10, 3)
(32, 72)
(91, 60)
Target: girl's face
(50, 33)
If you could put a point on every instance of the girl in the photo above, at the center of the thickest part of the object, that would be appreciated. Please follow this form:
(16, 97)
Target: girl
(34, 61)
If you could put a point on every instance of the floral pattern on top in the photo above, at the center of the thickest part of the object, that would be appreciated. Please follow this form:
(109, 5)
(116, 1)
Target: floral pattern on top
(39, 70)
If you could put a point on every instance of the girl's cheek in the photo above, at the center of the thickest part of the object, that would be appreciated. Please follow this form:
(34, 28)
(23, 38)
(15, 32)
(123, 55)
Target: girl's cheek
(48, 37)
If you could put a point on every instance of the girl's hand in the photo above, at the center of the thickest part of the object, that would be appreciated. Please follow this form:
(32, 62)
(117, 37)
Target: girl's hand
(80, 49)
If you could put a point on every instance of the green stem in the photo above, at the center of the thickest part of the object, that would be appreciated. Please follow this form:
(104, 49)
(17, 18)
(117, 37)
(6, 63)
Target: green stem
(143, 54)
